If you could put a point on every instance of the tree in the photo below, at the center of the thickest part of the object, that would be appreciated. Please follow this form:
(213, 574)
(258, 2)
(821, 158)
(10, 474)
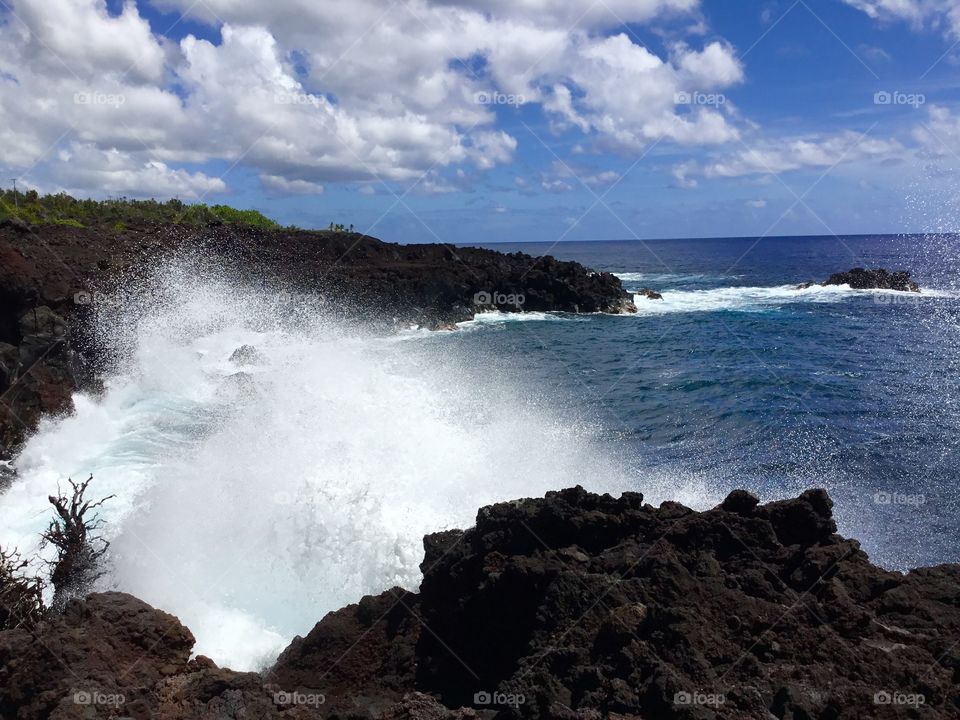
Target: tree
(80, 549)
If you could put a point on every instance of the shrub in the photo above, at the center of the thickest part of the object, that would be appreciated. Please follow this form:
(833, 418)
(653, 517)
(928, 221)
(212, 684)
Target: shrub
(80, 549)
(21, 594)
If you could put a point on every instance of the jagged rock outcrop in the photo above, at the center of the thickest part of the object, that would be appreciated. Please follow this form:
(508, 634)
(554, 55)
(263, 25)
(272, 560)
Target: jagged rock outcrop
(575, 605)
(649, 294)
(879, 279)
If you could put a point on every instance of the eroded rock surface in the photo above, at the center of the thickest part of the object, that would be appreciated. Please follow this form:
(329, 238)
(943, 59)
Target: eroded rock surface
(575, 605)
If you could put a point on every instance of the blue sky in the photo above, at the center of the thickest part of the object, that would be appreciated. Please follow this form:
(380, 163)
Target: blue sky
(612, 120)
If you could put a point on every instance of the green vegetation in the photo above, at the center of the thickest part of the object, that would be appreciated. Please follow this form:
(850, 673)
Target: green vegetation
(121, 213)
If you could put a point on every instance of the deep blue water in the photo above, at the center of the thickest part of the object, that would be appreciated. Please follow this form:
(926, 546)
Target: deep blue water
(737, 381)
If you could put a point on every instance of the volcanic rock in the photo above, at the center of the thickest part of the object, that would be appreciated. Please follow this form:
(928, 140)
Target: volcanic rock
(574, 605)
(248, 355)
(648, 293)
(879, 279)
(50, 279)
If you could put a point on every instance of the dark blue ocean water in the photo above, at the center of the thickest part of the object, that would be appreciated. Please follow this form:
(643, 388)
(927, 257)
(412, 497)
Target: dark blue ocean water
(739, 380)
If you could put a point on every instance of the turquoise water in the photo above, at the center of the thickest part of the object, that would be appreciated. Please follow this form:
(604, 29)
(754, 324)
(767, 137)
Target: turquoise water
(737, 379)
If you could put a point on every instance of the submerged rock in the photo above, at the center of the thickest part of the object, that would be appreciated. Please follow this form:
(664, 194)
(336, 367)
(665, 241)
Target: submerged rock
(575, 606)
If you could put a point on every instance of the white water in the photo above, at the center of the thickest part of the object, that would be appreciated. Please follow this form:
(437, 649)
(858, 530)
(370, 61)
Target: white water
(250, 506)
(759, 299)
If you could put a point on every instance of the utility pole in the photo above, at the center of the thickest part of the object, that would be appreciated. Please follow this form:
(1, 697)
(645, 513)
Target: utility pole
(16, 203)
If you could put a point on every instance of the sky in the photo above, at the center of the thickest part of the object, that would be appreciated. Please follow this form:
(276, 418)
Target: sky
(469, 121)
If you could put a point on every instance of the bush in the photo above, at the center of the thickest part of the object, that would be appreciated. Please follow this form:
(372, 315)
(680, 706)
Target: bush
(21, 595)
(120, 213)
(80, 549)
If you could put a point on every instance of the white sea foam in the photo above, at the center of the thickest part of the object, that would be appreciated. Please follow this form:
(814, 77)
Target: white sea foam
(759, 299)
(498, 318)
(662, 278)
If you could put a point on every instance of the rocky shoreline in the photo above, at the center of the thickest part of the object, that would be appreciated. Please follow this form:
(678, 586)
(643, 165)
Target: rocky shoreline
(50, 275)
(576, 606)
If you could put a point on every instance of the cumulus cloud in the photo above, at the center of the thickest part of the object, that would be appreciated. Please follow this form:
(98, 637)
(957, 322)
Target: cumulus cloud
(281, 185)
(938, 14)
(939, 135)
(344, 90)
(769, 157)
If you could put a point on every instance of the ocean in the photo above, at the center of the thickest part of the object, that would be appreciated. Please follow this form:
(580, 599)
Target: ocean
(254, 496)
(739, 379)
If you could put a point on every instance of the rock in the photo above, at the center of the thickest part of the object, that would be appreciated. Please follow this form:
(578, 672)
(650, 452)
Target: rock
(359, 277)
(16, 224)
(674, 604)
(107, 650)
(42, 322)
(9, 364)
(648, 293)
(879, 279)
(740, 502)
(574, 605)
(361, 658)
(248, 355)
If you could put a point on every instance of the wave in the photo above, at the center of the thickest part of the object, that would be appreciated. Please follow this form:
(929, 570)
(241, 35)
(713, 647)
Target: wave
(669, 278)
(252, 499)
(760, 299)
(499, 318)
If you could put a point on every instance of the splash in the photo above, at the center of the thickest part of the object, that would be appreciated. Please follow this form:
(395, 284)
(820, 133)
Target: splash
(256, 492)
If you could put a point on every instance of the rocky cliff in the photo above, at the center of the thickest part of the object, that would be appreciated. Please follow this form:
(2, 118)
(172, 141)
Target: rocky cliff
(49, 274)
(576, 606)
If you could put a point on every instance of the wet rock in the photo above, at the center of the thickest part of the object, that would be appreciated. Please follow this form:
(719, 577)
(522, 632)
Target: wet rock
(42, 322)
(741, 502)
(248, 355)
(648, 293)
(45, 296)
(879, 279)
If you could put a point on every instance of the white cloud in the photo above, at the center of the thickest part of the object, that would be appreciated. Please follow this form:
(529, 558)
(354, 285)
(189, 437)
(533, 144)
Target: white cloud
(114, 172)
(281, 185)
(939, 14)
(774, 157)
(939, 136)
(343, 90)
(756, 204)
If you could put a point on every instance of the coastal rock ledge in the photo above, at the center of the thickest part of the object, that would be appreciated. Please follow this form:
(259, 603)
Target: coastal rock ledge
(575, 605)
